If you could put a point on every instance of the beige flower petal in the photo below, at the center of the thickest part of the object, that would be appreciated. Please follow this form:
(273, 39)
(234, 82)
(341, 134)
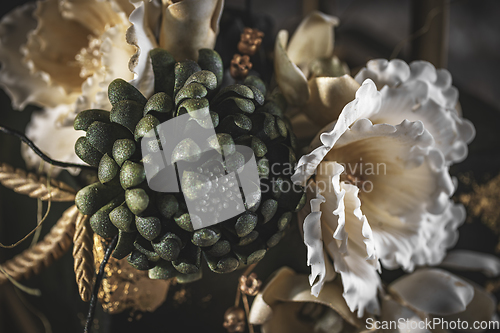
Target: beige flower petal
(404, 318)
(16, 79)
(303, 127)
(482, 308)
(313, 39)
(328, 97)
(434, 291)
(486, 263)
(287, 286)
(260, 312)
(291, 80)
(94, 15)
(286, 320)
(190, 25)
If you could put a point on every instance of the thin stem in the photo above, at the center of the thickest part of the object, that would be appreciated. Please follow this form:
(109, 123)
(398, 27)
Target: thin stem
(247, 312)
(97, 284)
(37, 151)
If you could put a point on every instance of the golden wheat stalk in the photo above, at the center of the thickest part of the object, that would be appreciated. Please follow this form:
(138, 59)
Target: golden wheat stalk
(83, 244)
(52, 247)
(34, 186)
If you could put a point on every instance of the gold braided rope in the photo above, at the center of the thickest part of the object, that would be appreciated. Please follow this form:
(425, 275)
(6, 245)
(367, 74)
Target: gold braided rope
(51, 248)
(83, 255)
(34, 186)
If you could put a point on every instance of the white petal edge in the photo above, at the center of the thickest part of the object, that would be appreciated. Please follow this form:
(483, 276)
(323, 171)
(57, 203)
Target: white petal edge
(440, 95)
(367, 102)
(383, 72)
(438, 234)
(314, 242)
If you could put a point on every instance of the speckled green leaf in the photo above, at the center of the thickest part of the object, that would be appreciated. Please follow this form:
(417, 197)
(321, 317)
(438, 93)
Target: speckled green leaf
(87, 152)
(108, 169)
(85, 118)
(132, 174)
(210, 60)
(120, 90)
(127, 114)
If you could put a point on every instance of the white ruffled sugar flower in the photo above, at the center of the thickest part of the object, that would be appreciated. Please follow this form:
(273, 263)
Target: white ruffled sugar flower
(62, 55)
(380, 188)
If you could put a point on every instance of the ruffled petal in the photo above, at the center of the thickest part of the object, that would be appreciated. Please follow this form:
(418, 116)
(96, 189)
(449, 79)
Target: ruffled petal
(411, 101)
(291, 80)
(54, 44)
(367, 102)
(420, 92)
(383, 72)
(405, 185)
(16, 78)
(142, 35)
(438, 234)
(438, 80)
(328, 97)
(405, 171)
(486, 263)
(314, 243)
(94, 15)
(342, 220)
(313, 39)
(434, 291)
(395, 72)
(190, 25)
(56, 141)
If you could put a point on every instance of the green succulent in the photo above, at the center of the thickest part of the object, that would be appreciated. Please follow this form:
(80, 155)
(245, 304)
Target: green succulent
(154, 229)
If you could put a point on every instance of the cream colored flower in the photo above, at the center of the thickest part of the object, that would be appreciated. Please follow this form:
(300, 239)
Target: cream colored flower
(381, 188)
(51, 50)
(308, 54)
(184, 28)
(439, 296)
(62, 55)
(286, 305)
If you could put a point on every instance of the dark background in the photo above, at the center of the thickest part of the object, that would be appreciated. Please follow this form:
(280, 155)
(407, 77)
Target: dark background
(369, 29)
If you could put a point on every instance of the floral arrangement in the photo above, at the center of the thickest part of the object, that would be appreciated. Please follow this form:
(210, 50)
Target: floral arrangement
(353, 162)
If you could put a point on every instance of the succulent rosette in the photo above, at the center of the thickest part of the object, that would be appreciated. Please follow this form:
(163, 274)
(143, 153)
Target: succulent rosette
(380, 187)
(155, 229)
